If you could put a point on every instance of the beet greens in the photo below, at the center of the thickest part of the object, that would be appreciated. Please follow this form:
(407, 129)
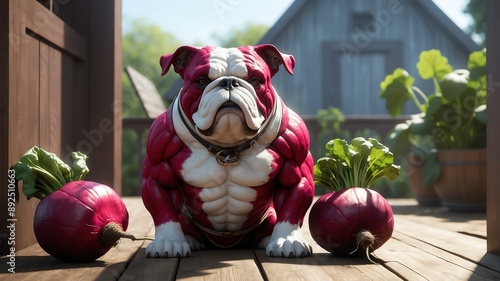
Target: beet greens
(358, 164)
(42, 172)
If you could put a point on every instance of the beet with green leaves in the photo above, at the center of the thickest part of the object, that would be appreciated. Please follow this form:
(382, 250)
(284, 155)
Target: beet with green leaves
(76, 220)
(353, 219)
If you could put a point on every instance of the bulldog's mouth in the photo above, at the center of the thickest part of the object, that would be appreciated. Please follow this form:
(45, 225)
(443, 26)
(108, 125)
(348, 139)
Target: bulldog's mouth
(228, 106)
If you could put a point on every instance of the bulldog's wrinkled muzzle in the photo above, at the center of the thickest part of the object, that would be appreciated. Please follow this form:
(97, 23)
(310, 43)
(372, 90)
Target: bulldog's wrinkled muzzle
(228, 93)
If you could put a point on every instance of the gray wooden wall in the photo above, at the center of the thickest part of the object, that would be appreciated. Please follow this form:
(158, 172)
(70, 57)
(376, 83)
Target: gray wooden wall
(342, 65)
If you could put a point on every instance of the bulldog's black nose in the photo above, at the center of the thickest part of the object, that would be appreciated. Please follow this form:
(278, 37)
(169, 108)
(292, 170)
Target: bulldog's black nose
(229, 83)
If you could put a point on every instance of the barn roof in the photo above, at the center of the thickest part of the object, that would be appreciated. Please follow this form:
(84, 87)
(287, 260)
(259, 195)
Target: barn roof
(428, 6)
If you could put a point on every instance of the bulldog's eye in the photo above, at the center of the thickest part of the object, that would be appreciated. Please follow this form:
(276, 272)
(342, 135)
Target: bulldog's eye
(201, 82)
(255, 82)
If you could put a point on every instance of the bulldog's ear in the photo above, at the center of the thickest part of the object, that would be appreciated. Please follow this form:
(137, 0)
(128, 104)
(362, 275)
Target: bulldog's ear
(274, 58)
(179, 59)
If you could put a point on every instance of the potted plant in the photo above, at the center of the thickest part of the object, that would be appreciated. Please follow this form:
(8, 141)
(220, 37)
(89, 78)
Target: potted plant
(453, 118)
(424, 192)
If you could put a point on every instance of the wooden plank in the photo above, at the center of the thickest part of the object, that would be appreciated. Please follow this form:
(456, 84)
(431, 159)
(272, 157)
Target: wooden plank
(478, 270)
(24, 129)
(33, 263)
(148, 94)
(493, 159)
(219, 265)
(56, 79)
(143, 268)
(411, 263)
(322, 266)
(44, 96)
(4, 116)
(45, 24)
(471, 223)
(104, 92)
(468, 247)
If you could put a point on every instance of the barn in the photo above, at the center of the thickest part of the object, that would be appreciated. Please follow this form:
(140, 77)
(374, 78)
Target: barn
(345, 48)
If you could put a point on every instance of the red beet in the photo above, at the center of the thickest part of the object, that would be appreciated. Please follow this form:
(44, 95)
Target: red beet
(76, 220)
(81, 221)
(351, 221)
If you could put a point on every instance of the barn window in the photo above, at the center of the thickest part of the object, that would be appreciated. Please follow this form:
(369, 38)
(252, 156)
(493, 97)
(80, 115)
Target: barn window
(360, 21)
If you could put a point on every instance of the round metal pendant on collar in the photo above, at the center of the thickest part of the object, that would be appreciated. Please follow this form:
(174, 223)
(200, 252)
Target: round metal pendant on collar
(227, 157)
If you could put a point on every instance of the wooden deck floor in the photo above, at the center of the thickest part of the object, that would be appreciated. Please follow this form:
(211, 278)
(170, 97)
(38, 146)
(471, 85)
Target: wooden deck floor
(428, 244)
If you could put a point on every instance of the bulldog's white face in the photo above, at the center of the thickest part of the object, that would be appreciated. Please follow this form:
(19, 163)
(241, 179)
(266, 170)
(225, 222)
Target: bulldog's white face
(228, 111)
(227, 93)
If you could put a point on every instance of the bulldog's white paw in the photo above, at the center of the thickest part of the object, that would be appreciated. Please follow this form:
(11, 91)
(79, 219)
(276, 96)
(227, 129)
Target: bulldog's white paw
(287, 241)
(169, 242)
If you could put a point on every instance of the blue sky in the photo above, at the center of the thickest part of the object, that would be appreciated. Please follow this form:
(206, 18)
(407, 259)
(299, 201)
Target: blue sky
(195, 21)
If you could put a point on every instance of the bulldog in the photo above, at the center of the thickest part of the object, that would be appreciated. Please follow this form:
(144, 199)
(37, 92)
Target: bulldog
(228, 164)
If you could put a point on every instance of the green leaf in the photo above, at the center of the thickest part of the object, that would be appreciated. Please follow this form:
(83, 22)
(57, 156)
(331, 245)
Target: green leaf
(42, 172)
(481, 113)
(80, 169)
(433, 105)
(54, 166)
(433, 65)
(421, 126)
(477, 65)
(396, 89)
(341, 151)
(381, 162)
(399, 139)
(23, 172)
(431, 169)
(454, 84)
(327, 174)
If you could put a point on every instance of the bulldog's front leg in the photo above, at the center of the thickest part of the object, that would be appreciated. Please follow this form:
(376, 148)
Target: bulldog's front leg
(161, 192)
(295, 192)
(286, 239)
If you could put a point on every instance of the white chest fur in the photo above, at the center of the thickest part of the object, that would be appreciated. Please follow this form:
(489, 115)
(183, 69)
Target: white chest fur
(227, 191)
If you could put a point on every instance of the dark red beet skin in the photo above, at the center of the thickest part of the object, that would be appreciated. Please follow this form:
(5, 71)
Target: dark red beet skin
(337, 217)
(68, 223)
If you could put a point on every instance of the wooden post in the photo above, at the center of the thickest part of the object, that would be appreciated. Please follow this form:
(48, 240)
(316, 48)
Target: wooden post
(105, 91)
(493, 160)
(4, 114)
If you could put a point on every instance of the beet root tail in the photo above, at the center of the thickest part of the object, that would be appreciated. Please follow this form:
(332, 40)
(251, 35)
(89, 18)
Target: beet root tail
(112, 233)
(365, 240)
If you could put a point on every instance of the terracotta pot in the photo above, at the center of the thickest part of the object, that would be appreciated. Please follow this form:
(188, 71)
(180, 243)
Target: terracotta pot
(462, 182)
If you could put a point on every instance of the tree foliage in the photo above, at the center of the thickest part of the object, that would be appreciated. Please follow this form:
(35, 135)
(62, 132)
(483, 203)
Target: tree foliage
(142, 47)
(477, 10)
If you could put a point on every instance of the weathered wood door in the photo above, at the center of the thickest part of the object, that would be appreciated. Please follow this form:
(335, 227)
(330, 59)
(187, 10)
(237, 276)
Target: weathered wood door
(59, 91)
